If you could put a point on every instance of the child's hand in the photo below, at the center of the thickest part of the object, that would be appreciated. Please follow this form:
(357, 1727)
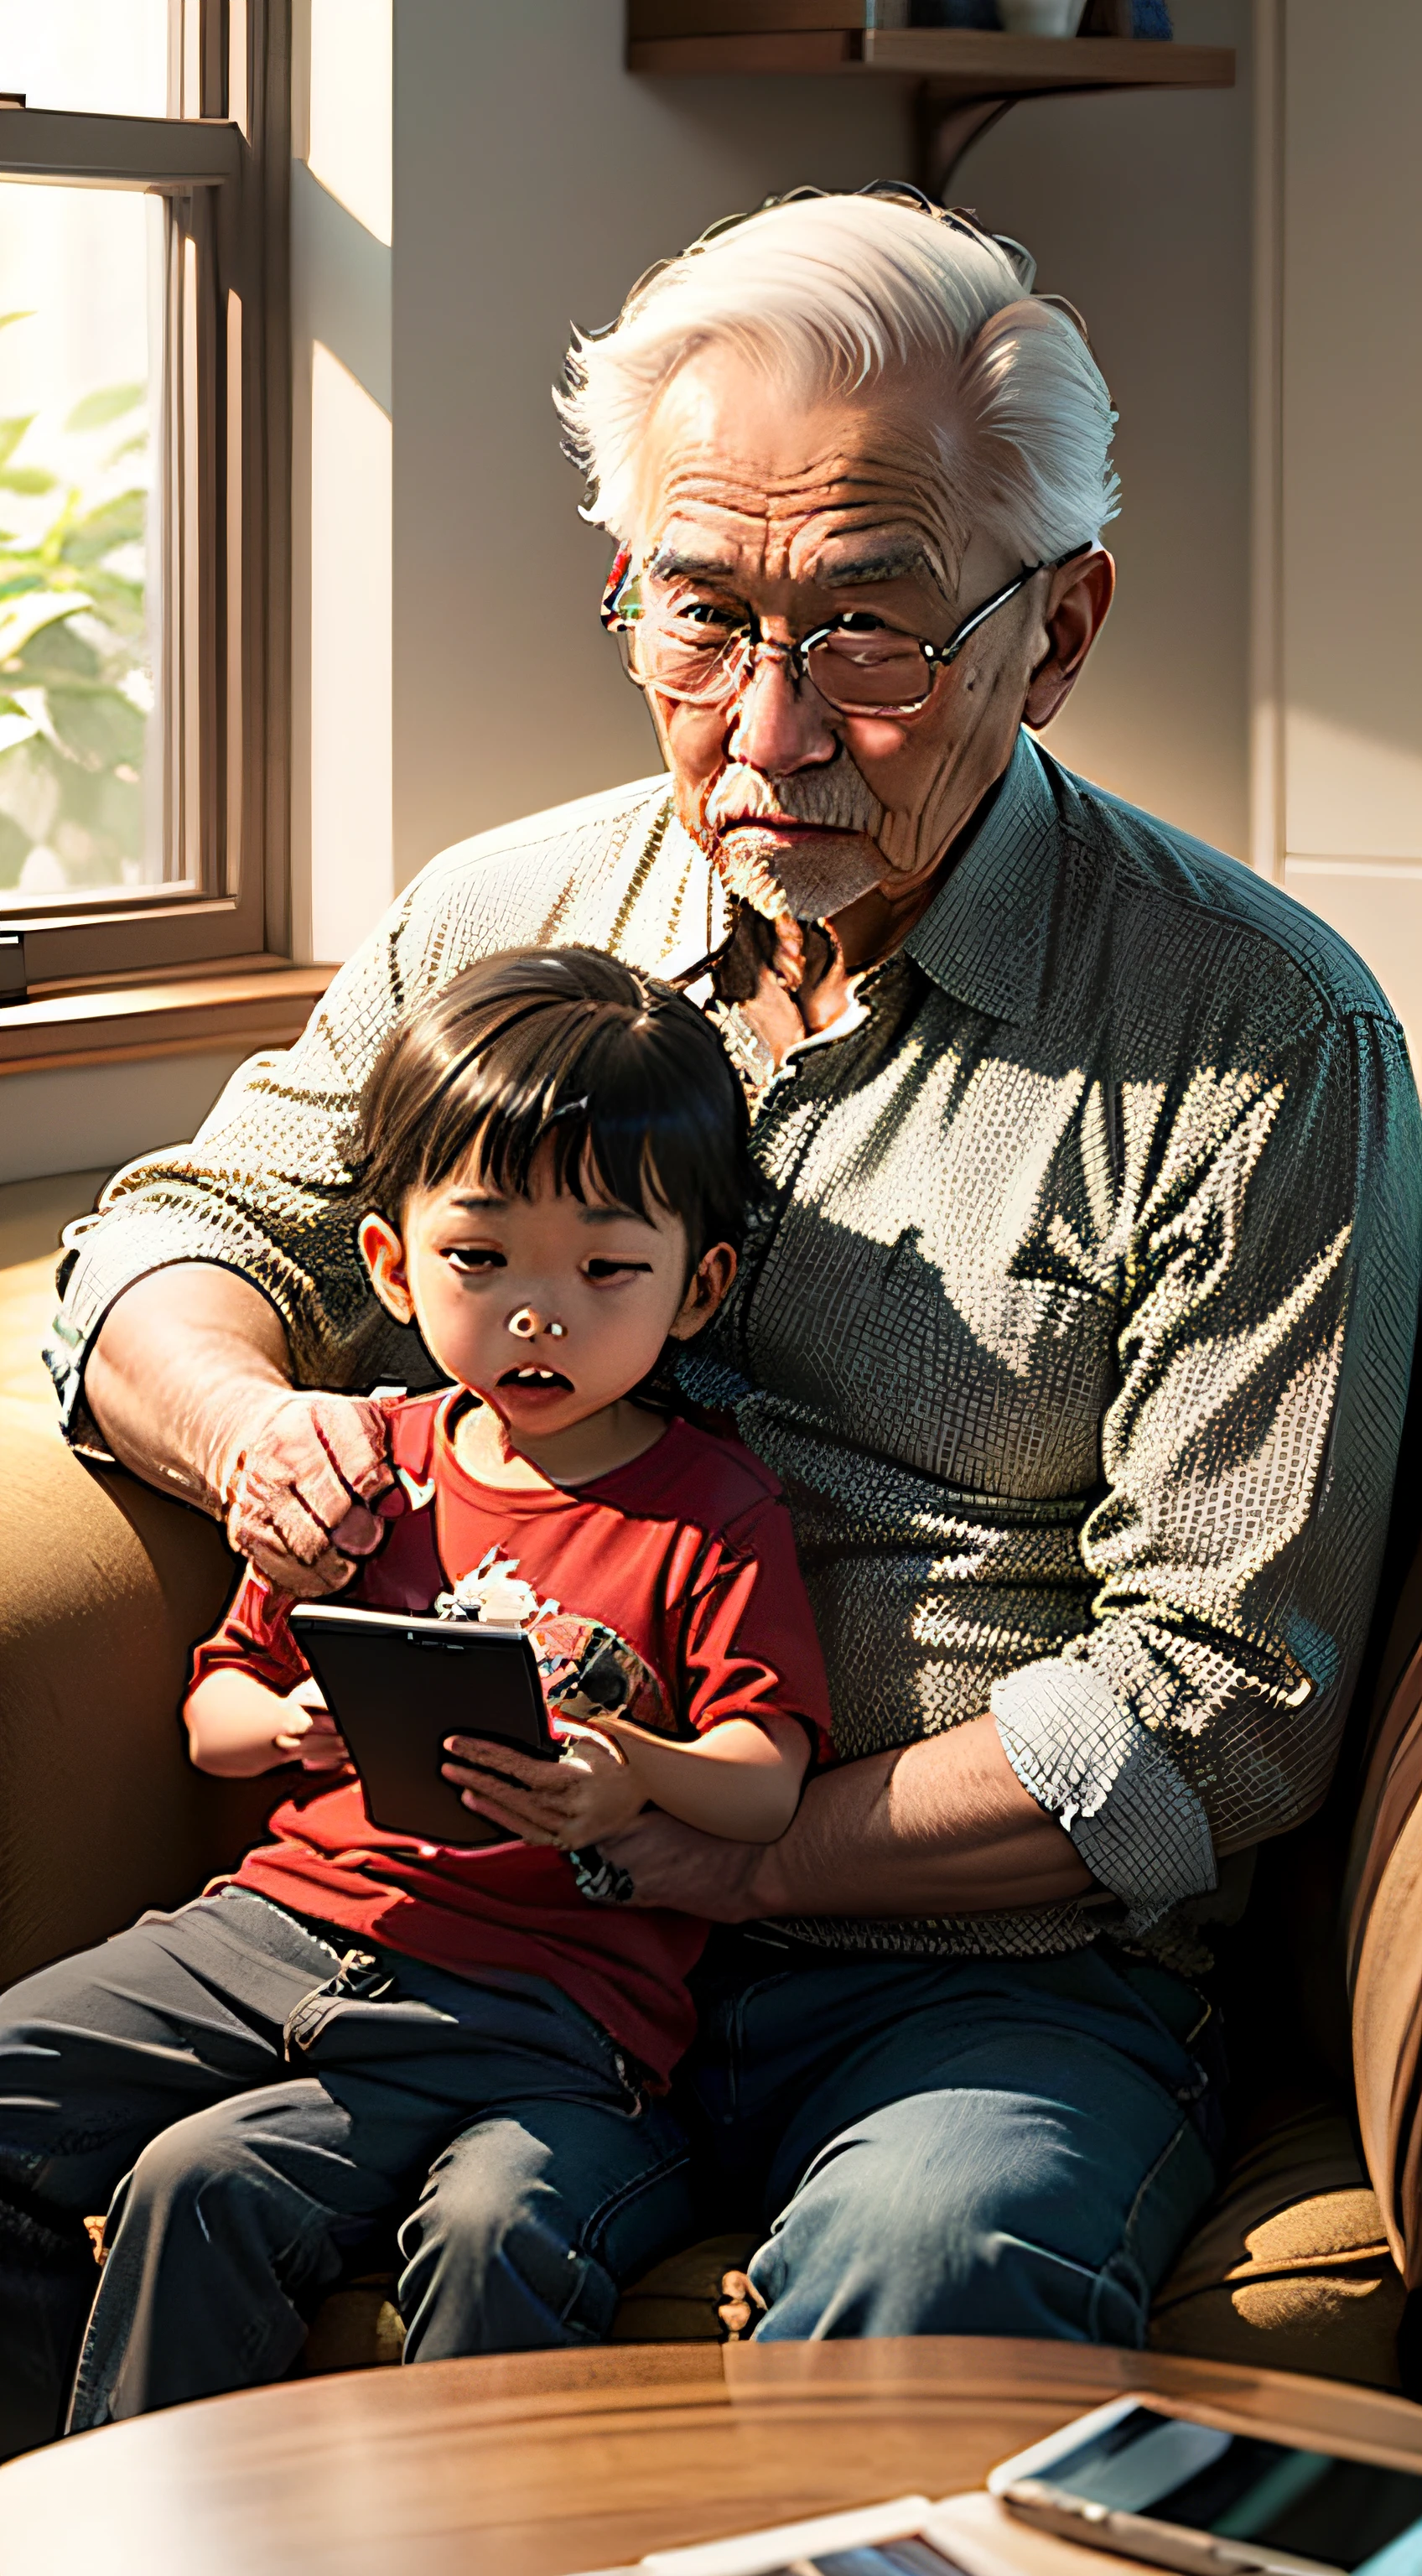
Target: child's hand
(588, 1792)
(311, 1733)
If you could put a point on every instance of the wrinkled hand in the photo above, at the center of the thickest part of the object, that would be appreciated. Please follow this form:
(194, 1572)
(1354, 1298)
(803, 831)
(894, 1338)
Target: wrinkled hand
(673, 1865)
(308, 1495)
(587, 1793)
(312, 1736)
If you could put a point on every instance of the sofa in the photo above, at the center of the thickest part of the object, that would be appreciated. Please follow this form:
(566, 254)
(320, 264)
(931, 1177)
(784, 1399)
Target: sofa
(1307, 2258)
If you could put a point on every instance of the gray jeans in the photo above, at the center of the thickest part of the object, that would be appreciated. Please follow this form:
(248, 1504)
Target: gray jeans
(249, 2116)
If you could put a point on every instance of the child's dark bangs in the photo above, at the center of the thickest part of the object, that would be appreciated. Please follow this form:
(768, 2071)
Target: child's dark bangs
(643, 1140)
(598, 1116)
(532, 1081)
(595, 1091)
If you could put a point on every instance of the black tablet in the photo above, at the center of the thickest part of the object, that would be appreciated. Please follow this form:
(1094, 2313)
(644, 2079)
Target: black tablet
(397, 1685)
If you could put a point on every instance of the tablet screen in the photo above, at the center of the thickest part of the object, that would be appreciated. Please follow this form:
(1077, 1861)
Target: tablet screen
(1347, 2513)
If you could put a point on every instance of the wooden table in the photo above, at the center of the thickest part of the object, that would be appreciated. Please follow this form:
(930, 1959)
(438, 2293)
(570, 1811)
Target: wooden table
(542, 2464)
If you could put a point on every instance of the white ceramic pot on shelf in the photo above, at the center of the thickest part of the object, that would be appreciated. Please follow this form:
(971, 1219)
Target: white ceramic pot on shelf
(1041, 17)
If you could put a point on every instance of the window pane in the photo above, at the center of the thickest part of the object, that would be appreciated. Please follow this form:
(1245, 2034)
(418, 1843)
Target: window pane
(107, 56)
(80, 786)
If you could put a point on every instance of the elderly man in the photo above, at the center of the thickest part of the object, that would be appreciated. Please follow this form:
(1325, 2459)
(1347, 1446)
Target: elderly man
(1078, 1330)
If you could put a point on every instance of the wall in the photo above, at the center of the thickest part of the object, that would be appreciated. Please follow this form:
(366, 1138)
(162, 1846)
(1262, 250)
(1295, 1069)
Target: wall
(79, 1117)
(1340, 669)
(1137, 206)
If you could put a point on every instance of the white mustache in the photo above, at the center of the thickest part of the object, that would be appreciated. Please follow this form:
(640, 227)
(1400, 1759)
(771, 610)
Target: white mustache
(835, 797)
(814, 879)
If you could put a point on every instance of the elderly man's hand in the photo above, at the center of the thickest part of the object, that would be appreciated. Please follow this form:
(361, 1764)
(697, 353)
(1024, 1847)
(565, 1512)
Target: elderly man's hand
(672, 1864)
(308, 1494)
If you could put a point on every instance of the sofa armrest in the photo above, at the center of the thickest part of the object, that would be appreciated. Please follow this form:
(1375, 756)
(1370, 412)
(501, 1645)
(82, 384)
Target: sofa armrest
(106, 1586)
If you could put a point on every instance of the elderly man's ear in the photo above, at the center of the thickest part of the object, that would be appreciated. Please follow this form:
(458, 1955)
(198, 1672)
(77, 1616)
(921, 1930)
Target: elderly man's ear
(1075, 613)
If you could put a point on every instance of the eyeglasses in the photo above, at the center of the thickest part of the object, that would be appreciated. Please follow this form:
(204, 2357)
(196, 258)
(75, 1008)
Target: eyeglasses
(702, 656)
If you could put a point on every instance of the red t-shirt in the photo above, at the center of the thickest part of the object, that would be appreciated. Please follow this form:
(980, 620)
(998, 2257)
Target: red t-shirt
(682, 1568)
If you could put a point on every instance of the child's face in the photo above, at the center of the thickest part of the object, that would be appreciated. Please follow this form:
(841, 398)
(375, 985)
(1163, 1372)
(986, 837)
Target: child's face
(489, 1280)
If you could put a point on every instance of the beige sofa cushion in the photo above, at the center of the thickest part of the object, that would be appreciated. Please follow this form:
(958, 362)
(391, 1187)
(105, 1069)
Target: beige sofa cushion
(1291, 2269)
(105, 1585)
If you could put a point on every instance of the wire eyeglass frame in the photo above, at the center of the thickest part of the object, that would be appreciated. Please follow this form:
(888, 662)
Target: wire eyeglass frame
(734, 662)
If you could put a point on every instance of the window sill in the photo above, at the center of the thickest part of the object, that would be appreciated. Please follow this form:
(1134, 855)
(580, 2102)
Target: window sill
(257, 1005)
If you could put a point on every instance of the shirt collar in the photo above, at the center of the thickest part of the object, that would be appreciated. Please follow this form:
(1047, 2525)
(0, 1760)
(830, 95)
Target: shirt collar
(984, 936)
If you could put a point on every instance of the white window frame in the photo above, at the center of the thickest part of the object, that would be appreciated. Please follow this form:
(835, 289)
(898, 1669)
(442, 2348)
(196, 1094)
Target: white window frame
(224, 490)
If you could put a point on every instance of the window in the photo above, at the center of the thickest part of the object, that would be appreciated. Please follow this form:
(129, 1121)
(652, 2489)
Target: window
(143, 485)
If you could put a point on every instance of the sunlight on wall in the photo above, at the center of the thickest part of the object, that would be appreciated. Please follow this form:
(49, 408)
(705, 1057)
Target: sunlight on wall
(349, 149)
(342, 875)
(1354, 820)
(1378, 910)
(351, 818)
(1350, 792)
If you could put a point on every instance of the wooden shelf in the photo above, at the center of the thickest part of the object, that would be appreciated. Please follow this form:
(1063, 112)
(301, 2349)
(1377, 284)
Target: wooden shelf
(964, 80)
(958, 61)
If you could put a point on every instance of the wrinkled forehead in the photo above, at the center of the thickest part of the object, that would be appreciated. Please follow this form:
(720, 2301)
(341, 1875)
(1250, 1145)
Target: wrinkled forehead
(741, 474)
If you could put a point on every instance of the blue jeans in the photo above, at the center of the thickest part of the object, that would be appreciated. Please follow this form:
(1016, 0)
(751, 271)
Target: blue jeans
(1009, 2146)
(932, 2148)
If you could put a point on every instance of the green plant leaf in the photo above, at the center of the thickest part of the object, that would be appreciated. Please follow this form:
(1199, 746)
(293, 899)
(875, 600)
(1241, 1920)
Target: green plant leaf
(24, 618)
(109, 403)
(54, 652)
(72, 633)
(15, 848)
(119, 522)
(19, 727)
(98, 727)
(11, 433)
(118, 604)
(97, 811)
(30, 785)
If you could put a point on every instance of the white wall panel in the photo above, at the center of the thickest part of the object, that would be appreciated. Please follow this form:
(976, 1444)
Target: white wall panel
(1350, 528)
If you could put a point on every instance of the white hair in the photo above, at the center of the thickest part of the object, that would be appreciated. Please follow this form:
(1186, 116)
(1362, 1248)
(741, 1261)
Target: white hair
(831, 293)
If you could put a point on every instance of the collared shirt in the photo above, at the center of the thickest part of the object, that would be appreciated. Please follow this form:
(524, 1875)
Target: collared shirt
(1078, 1328)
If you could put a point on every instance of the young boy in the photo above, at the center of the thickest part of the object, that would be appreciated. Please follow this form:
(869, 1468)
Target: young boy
(554, 1168)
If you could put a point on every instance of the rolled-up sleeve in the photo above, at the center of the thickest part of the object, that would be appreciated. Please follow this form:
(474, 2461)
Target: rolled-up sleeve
(1272, 1252)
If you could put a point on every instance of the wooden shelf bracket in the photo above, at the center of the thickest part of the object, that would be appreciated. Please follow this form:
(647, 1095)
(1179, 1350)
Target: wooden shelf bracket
(962, 81)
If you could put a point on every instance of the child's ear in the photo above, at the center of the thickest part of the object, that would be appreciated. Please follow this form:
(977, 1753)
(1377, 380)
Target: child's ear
(707, 1289)
(384, 1256)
